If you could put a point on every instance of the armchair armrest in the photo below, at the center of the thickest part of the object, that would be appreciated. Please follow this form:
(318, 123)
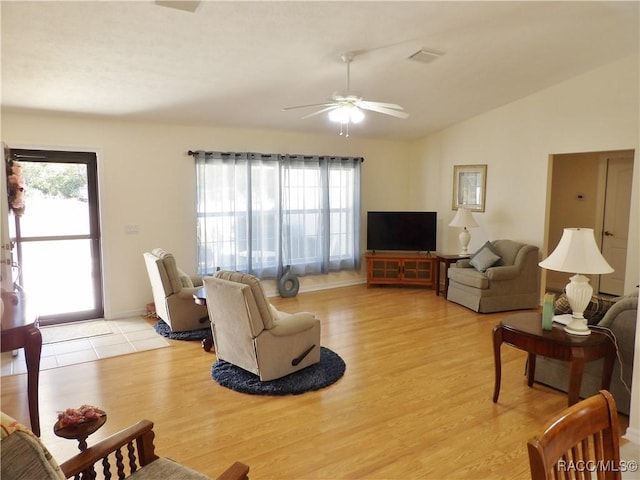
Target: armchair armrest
(463, 263)
(141, 432)
(237, 471)
(293, 323)
(506, 272)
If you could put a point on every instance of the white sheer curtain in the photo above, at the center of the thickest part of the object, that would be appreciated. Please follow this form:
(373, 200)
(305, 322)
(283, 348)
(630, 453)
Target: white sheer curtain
(321, 213)
(258, 213)
(237, 212)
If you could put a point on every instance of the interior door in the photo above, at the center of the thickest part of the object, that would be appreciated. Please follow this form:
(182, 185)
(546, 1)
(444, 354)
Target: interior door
(58, 235)
(616, 222)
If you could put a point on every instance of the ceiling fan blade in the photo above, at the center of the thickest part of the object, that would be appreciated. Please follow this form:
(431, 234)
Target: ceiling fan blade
(384, 110)
(332, 107)
(325, 104)
(180, 5)
(380, 104)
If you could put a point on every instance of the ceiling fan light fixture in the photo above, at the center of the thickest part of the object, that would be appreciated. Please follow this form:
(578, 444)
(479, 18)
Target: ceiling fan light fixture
(357, 115)
(346, 114)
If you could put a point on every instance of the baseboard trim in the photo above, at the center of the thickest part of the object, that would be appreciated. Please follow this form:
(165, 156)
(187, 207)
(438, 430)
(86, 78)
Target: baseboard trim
(633, 435)
(346, 283)
(128, 314)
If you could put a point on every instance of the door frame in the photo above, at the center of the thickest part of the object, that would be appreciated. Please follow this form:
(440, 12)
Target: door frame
(598, 212)
(90, 159)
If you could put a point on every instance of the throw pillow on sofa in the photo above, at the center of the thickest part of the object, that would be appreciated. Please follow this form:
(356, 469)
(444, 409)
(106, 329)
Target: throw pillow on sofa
(484, 258)
(593, 313)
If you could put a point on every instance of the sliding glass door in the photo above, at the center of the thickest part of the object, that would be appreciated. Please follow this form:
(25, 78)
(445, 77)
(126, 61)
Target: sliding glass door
(58, 236)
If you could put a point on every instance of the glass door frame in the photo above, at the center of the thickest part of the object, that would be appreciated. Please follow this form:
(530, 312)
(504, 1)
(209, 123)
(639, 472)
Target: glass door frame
(94, 236)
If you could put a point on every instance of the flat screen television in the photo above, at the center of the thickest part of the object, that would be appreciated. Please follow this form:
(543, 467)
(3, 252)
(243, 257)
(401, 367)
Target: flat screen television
(408, 231)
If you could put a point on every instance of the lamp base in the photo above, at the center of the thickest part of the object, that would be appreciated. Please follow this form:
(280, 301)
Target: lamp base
(578, 293)
(577, 326)
(464, 238)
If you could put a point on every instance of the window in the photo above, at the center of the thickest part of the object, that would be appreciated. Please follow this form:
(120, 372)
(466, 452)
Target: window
(257, 213)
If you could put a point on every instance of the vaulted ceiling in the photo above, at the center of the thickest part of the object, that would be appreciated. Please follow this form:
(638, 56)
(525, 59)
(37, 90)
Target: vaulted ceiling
(239, 63)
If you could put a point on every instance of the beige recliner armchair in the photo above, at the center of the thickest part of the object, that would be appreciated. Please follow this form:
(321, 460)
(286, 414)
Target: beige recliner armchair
(506, 277)
(250, 333)
(173, 293)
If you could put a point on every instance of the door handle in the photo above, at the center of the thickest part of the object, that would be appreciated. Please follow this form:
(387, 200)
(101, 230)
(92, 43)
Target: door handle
(608, 234)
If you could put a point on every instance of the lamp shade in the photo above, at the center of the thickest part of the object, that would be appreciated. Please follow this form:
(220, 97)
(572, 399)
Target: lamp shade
(463, 218)
(577, 252)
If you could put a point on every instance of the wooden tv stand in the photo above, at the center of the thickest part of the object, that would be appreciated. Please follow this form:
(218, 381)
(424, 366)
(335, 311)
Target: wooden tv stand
(400, 268)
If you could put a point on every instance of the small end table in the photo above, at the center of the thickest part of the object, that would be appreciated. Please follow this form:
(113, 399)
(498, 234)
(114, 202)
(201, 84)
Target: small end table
(79, 431)
(200, 297)
(447, 260)
(524, 331)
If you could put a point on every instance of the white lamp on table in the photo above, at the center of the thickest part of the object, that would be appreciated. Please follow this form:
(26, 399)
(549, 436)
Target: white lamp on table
(577, 253)
(465, 220)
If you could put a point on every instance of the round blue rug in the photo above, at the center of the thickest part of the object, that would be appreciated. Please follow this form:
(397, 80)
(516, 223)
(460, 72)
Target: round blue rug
(328, 371)
(163, 329)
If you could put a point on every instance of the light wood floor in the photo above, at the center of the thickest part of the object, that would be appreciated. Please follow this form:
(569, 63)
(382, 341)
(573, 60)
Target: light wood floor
(415, 401)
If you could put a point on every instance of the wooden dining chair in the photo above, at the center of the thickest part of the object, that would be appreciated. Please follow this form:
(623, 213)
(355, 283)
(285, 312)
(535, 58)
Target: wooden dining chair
(581, 440)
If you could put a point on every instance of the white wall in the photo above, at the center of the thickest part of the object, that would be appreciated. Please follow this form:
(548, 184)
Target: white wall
(597, 111)
(147, 179)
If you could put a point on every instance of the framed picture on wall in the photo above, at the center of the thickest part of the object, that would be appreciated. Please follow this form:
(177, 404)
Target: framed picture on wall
(469, 187)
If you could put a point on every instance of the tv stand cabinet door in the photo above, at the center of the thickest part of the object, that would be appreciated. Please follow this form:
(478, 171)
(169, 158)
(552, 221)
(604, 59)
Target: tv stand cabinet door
(383, 270)
(418, 271)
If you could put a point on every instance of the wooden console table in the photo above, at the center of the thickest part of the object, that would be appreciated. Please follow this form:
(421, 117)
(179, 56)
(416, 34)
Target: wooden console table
(524, 331)
(20, 330)
(397, 268)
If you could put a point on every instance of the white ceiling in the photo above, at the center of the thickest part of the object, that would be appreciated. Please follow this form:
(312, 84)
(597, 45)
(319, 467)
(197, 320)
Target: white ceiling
(238, 63)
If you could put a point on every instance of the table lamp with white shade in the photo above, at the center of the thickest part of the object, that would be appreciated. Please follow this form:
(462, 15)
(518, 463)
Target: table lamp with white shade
(465, 220)
(577, 252)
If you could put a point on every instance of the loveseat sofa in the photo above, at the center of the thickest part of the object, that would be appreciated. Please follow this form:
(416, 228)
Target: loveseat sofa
(620, 319)
(502, 275)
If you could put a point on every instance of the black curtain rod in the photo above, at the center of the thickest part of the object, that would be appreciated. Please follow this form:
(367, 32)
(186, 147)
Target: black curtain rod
(193, 153)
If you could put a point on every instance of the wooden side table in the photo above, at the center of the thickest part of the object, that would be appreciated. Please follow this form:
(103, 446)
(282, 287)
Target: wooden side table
(20, 330)
(79, 431)
(200, 297)
(524, 331)
(447, 260)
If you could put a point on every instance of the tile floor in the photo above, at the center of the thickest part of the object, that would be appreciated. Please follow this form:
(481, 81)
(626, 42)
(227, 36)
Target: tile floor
(129, 335)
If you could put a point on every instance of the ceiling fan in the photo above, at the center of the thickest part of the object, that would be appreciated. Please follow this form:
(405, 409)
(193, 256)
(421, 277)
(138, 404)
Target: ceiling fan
(347, 107)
